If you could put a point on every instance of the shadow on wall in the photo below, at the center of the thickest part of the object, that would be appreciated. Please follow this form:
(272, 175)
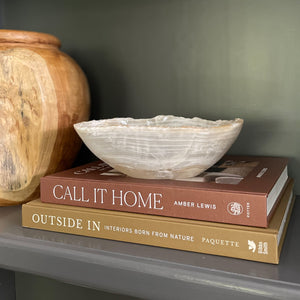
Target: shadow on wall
(294, 165)
(107, 84)
(257, 136)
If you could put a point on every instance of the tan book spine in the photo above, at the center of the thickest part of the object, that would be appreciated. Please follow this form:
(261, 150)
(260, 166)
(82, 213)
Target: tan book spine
(257, 244)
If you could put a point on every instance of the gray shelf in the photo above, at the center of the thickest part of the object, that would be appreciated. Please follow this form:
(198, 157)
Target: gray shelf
(147, 272)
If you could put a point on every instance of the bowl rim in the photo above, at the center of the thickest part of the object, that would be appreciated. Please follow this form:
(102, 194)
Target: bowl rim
(122, 123)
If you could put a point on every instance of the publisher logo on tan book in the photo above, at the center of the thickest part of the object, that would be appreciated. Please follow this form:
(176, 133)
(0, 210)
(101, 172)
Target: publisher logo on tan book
(252, 246)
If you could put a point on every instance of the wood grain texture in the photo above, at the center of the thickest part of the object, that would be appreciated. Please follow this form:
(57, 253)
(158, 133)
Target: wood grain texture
(43, 92)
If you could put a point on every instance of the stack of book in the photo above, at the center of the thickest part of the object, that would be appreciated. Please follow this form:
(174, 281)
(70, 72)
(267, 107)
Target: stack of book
(238, 208)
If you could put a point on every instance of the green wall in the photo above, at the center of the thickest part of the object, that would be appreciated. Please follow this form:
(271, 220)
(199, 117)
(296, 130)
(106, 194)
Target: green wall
(215, 59)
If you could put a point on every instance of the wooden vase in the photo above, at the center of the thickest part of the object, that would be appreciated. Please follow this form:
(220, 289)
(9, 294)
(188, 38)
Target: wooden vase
(43, 92)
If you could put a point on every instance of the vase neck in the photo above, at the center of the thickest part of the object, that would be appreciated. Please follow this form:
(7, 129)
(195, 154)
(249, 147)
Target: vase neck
(29, 38)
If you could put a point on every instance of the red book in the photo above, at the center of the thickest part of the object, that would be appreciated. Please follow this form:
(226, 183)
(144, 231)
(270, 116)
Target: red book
(241, 190)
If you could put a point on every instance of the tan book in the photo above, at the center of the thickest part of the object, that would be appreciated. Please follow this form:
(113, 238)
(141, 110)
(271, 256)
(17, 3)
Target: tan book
(239, 190)
(244, 242)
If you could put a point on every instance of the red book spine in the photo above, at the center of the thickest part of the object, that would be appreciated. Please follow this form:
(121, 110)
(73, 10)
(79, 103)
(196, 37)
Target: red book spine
(189, 203)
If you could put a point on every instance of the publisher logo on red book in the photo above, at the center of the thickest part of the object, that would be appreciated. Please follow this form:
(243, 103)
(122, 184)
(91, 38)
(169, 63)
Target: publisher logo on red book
(235, 208)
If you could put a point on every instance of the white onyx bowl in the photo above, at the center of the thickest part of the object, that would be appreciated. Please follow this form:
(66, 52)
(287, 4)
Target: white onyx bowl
(163, 147)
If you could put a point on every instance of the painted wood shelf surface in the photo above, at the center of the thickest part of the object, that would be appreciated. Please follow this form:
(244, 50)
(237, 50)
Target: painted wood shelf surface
(147, 272)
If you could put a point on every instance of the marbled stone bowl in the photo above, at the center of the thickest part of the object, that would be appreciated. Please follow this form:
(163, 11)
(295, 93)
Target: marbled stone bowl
(163, 147)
